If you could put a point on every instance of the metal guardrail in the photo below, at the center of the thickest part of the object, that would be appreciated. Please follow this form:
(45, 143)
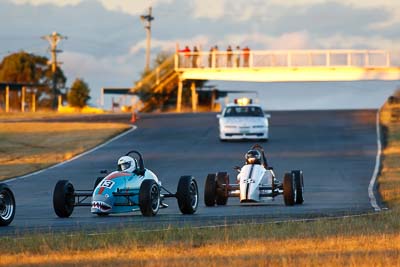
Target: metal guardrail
(283, 58)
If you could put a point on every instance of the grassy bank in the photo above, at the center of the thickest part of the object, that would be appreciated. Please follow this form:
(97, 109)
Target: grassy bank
(371, 240)
(389, 180)
(26, 147)
(38, 115)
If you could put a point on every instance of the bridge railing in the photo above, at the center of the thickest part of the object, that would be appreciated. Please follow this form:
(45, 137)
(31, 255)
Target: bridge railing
(283, 58)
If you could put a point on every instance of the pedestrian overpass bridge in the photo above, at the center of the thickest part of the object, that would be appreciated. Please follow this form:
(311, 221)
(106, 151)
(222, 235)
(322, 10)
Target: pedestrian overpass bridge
(288, 66)
(270, 66)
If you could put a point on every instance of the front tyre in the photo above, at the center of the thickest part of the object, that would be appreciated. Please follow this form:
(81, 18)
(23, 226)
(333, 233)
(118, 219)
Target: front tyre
(187, 195)
(64, 199)
(222, 183)
(149, 197)
(7, 205)
(288, 189)
(210, 190)
(299, 186)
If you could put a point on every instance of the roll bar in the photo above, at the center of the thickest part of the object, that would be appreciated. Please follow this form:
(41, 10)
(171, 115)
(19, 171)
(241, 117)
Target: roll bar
(261, 149)
(141, 169)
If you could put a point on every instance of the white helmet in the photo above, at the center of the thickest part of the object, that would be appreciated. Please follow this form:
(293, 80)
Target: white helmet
(127, 164)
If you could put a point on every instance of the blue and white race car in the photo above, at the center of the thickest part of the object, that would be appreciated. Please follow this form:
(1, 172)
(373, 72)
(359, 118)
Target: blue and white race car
(131, 188)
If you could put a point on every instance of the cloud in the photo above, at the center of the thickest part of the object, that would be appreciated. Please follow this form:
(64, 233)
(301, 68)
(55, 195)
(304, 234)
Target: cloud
(45, 2)
(101, 69)
(241, 10)
(248, 10)
(169, 45)
(132, 7)
(293, 40)
(208, 9)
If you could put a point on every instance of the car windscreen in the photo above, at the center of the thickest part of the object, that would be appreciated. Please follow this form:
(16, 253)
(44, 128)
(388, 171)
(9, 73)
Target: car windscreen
(243, 112)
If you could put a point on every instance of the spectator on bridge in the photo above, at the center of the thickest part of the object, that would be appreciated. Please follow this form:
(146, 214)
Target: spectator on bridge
(210, 57)
(237, 58)
(229, 56)
(186, 55)
(195, 57)
(216, 56)
(246, 56)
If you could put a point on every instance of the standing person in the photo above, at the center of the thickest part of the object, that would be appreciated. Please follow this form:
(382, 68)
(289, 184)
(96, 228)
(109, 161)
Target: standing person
(246, 56)
(210, 57)
(216, 56)
(187, 56)
(237, 58)
(229, 56)
(195, 57)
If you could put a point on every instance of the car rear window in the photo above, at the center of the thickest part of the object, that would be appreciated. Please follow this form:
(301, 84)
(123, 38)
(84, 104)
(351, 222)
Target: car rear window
(243, 112)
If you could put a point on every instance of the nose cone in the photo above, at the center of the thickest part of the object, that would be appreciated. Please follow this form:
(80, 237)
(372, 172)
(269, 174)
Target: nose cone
(101, 204)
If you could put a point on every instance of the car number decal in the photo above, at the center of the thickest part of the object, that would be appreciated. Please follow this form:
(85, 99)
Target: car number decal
(107, 184)
(248, 181)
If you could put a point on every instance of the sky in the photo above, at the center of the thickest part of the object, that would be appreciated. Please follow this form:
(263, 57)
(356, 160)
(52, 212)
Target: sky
(106, 38)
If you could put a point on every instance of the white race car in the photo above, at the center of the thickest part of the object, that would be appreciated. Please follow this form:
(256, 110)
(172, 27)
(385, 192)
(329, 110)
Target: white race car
(255, 183)
(243, 120)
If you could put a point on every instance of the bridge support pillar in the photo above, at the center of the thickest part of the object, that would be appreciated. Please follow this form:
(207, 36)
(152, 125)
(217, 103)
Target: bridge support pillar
(179, 96)
(23, 92)
(7, 98)
(194, 96)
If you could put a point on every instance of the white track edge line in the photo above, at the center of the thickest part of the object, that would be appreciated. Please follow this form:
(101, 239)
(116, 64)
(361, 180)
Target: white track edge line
(133, 127)
(372, 198)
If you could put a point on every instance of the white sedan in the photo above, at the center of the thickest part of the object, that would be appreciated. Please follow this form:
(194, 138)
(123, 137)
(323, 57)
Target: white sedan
(243, 122)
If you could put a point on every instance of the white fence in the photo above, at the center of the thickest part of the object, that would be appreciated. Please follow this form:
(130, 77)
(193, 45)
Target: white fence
(283, 58)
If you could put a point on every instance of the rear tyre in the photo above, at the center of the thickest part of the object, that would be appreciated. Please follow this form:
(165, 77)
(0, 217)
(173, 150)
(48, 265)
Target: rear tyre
(210, 190)
(7, 205)
(299, 186)
(64, 199)
(288, 189)
(187, 195)
(221, 188)
(149, 197)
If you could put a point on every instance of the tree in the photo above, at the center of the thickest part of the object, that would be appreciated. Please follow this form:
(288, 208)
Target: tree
(78, 94)
(23, 67)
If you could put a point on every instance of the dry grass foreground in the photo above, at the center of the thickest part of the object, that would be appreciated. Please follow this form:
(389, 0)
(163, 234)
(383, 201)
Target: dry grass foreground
(26, 147)
(372, 240)
(342, 251)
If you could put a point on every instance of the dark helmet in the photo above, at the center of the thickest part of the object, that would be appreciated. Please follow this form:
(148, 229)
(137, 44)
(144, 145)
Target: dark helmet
(253, 157)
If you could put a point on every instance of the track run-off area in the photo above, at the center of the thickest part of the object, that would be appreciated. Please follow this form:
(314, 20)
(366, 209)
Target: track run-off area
(335, 149)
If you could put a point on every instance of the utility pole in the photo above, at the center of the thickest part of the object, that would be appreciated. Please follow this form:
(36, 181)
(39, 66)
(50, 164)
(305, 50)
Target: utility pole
(53, 40)
(146, 19)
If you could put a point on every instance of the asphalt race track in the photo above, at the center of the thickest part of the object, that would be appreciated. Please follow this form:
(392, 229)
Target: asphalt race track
(335, 149)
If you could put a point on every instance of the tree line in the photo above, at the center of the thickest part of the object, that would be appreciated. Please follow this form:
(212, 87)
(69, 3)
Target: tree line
(27, 68)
